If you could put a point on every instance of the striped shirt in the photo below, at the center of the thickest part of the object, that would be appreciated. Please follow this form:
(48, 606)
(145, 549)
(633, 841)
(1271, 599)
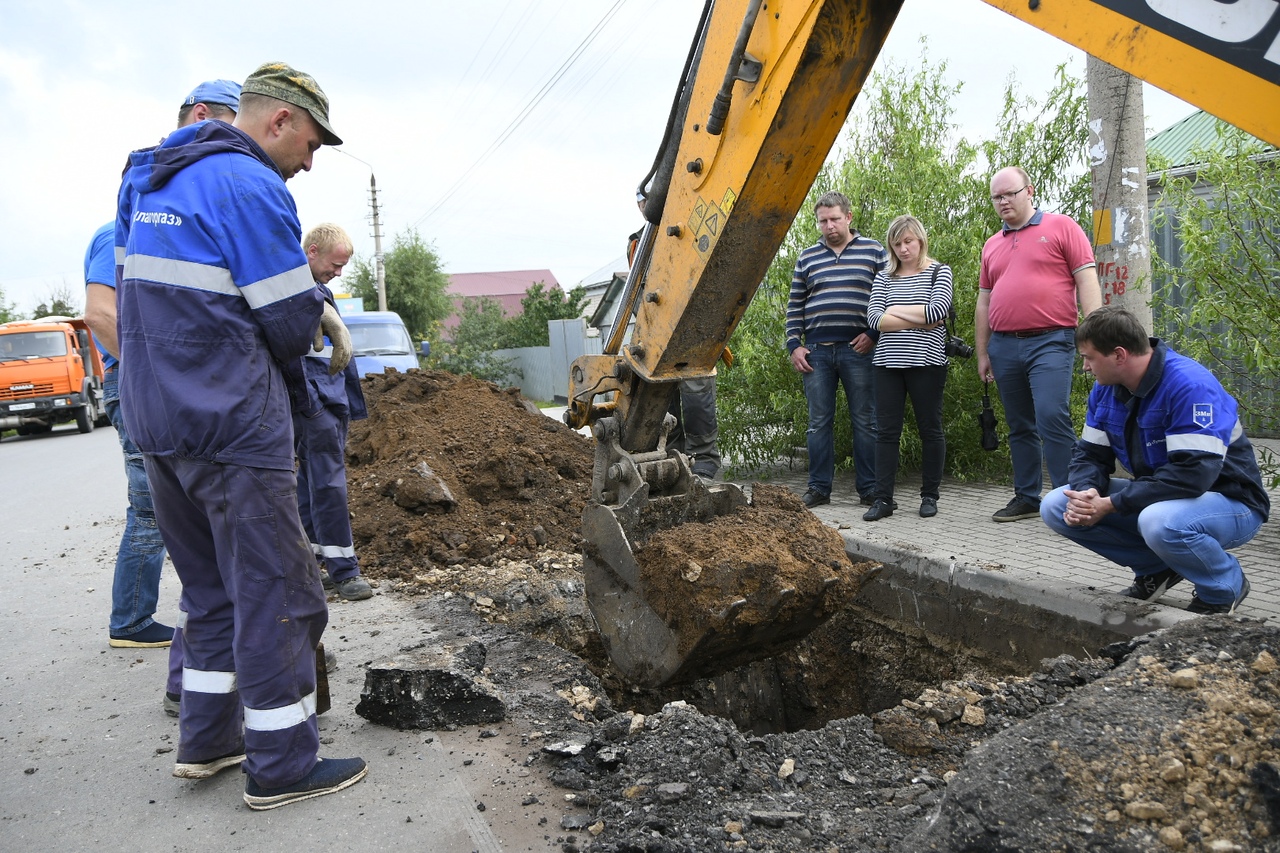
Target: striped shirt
(829, 292)
(912, 347)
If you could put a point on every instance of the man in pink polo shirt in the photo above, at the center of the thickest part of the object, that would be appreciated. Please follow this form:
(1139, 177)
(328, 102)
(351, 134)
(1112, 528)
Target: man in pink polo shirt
(1037, 279)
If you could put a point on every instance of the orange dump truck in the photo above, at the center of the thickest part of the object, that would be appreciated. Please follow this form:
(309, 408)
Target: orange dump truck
(50, 373)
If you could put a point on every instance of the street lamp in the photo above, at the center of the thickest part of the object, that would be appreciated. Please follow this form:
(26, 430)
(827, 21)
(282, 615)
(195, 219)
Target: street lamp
(380, 271)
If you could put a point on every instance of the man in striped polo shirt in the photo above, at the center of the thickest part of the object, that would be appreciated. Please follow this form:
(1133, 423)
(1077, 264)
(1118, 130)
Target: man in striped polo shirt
(831, 343)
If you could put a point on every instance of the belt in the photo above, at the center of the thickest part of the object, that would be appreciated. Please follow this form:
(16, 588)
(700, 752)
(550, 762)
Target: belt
(1031, 333)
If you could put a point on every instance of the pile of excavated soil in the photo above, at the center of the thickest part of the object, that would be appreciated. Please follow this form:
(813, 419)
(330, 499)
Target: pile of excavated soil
(456, 485)
(452, 471)
(784, 565)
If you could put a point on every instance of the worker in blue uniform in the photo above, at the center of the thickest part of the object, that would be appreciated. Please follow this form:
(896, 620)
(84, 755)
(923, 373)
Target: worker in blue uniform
(1195, 490)
(320, 422)
(216, 306)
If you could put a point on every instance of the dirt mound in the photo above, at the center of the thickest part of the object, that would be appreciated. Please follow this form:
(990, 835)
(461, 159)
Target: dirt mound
(771, 545)
(1176, 749)
(452, 471)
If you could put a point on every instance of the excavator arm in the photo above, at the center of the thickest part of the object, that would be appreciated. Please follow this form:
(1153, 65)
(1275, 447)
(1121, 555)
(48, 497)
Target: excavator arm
(765, 92)
(1224, 57)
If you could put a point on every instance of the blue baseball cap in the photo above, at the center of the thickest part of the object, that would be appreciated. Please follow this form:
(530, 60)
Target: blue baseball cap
(215, 92)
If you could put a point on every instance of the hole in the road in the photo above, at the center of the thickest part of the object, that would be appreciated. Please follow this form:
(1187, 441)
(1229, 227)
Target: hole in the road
(857, 663)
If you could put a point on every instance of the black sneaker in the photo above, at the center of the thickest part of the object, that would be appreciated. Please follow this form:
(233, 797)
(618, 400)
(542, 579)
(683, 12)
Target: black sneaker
(880, 509)
(206, 769)
(1204, 608)
(814, 498)
(327, 777)
(928, 507)
(1152, 586)
(154, 636)
(1016, 510)
(867, 500)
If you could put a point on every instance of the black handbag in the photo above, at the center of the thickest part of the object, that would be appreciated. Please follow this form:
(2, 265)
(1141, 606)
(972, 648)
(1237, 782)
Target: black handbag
(987, 422)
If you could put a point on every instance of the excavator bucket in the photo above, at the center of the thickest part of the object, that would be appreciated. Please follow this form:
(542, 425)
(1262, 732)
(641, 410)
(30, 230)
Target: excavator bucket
(670, 621)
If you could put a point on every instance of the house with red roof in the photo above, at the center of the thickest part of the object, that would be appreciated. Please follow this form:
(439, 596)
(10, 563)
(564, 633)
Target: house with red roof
(506, 287)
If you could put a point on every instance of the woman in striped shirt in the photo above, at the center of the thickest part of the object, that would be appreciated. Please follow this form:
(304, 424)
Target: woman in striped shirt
(909, 304)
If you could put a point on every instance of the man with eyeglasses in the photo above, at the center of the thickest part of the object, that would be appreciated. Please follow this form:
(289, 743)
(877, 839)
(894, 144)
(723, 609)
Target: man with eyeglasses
(1038, 277)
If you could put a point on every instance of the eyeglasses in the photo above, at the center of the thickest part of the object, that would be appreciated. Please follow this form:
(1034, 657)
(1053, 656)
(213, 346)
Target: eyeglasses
(996, 199)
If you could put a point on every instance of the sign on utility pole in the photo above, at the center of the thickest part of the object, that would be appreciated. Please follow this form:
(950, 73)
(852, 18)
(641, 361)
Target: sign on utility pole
(1118, 159)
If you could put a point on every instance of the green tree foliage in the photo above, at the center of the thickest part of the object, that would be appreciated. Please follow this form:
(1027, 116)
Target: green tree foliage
(8, 311)
(471, 351)
(901, 154)
(541, 304)
(417, 286)
(1219, 296)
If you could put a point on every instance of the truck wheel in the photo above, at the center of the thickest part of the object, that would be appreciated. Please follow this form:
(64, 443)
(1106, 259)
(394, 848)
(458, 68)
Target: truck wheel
(85, 418)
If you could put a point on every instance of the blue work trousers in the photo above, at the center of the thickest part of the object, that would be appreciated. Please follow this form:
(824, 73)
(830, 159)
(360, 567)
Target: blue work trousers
(1190, 536)
(255, 612)
(1033, 376)
(320, 441)
(135, 589)
(840, 364)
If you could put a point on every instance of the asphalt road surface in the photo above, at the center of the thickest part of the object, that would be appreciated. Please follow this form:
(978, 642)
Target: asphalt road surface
(88, 751)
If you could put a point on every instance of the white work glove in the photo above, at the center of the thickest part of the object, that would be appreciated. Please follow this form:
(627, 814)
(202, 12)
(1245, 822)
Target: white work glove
(331, 324)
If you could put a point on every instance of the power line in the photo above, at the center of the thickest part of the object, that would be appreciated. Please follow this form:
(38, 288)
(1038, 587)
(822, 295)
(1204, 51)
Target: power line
(524, 112)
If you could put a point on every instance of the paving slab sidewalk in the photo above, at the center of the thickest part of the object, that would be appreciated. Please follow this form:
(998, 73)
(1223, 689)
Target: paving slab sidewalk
(1025, 551)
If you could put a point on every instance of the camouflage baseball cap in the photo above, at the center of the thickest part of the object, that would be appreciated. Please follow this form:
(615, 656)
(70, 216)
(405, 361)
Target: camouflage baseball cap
(280, 81)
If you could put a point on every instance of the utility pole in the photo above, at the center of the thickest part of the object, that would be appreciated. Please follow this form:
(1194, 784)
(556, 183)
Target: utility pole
(377, 244)
(1118, 161)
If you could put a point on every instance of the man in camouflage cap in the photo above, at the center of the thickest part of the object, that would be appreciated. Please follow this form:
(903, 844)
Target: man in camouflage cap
(216, 308)
(279, 81)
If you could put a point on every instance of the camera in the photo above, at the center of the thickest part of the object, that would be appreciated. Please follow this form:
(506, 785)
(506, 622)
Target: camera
(957, 348)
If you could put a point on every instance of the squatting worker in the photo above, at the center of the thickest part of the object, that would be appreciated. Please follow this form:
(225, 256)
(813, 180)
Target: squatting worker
(832, 344)
(1034, 272)
(214, 296)
(320, 420)
(1195, 489)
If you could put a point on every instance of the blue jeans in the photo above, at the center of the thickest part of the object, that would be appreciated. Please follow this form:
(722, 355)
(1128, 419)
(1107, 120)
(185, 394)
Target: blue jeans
(832, 365)
(1033, 376)
(1190, 536)
(136, 587)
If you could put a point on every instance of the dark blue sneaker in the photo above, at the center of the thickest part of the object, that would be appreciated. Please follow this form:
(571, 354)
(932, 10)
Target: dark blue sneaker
(154, 636)
(327, 777)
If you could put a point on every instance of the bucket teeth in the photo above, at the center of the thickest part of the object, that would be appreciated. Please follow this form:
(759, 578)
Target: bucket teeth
(725, 617)
(784, 597)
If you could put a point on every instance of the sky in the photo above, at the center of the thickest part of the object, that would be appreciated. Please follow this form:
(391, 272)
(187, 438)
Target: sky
(511, 134)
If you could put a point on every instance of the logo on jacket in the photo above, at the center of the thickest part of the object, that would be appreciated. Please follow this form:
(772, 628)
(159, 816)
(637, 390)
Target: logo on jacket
(1202, 414)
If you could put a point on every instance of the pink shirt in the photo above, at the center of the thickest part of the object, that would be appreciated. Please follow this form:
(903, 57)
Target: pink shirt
(1031, 273)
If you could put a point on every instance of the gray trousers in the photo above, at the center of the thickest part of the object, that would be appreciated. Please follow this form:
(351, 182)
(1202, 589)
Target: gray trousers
(696, 431)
